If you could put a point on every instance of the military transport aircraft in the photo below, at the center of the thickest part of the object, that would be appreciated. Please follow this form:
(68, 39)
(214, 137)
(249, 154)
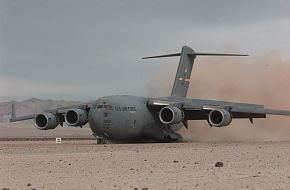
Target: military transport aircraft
(131, 118)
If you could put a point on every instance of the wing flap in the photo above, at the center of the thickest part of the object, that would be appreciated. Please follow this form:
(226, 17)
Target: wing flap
(260, 111)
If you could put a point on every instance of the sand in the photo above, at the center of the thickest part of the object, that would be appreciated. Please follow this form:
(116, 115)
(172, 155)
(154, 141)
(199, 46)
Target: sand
(85, 165)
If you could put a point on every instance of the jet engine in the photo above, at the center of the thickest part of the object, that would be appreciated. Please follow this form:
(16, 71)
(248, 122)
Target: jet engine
(46, 121)
(219, 118)
(171, 115)
(76, 117)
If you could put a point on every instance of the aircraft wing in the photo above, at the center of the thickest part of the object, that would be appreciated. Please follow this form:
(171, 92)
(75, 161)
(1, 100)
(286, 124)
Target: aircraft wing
(59, 112)
(196, 109)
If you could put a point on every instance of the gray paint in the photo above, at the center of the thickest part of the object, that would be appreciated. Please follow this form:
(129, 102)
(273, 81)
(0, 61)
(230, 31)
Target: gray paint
(182, 78)
(133, 118)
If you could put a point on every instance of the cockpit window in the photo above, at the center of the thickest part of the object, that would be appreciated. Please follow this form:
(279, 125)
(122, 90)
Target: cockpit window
(100, 106)
(104, 106)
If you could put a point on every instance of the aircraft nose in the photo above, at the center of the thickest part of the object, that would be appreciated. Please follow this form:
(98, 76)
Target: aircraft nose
(96, 119)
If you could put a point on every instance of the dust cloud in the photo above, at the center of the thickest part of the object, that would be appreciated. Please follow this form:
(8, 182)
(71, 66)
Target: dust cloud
(263, 79)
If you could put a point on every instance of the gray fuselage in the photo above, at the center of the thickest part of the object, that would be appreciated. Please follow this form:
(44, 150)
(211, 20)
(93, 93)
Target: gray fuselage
(127, 118)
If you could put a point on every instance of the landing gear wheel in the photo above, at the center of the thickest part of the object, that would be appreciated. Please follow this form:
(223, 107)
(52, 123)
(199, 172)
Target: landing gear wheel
(167, 139)
(101, 140)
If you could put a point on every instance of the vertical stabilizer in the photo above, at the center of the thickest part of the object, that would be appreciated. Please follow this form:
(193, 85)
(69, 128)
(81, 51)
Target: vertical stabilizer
(182, 79)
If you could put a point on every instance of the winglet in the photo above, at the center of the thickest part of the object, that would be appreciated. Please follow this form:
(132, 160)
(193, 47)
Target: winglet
(13, 114)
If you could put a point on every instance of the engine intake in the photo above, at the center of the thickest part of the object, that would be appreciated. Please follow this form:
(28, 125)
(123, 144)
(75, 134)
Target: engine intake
(46, 121)
(76, 117)
(171, 115)
(219, 118)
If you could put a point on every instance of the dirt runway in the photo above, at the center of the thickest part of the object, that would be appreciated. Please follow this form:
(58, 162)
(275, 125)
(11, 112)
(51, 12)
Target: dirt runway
(85, 165)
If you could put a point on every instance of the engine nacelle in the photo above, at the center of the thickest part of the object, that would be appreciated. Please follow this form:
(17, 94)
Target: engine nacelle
(76, 117)
(219, 118)
(171, 115)
(46, 121)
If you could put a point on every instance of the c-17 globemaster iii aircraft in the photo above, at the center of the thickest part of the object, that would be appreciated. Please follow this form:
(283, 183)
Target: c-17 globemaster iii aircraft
(132, 118)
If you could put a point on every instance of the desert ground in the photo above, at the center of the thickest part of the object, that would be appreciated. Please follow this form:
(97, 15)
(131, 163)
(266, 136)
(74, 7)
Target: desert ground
(83, 164)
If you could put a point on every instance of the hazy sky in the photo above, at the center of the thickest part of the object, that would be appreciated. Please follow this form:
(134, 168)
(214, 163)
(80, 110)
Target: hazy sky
(66, 49)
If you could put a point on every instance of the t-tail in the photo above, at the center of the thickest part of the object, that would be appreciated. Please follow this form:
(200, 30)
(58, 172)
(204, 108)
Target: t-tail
(182, 78)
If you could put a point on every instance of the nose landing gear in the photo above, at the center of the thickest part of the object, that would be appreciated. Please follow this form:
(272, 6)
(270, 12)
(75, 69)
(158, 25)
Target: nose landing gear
(100, 140)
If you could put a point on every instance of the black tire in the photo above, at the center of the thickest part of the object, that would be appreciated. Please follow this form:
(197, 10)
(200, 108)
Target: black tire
(99, 140)
(103, 141)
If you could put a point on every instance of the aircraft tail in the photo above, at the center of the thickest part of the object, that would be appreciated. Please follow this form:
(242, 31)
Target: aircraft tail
(182, 78)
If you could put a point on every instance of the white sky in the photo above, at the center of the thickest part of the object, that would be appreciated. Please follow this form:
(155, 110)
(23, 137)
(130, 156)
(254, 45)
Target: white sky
(82, 50)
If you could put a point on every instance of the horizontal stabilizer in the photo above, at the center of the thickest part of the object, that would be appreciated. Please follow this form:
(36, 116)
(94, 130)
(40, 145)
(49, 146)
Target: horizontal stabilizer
(218, 54)
(195, 54)
(167, 55)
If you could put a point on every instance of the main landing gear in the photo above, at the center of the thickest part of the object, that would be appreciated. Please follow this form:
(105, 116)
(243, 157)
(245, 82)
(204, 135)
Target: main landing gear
(101, 140)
